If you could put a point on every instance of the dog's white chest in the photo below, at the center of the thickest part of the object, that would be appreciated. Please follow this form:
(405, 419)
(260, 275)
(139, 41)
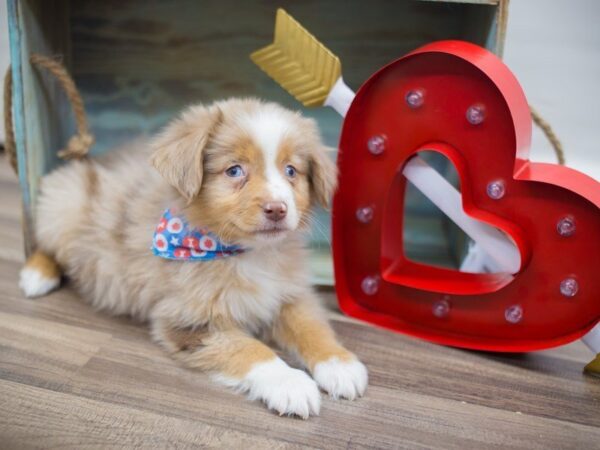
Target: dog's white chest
(256, 296)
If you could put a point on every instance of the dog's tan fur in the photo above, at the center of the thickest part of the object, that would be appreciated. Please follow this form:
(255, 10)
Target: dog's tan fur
(45, 265)
(97, 218)
(302, 330)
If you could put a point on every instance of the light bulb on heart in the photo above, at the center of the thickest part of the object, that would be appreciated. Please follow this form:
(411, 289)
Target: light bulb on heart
(539, 224)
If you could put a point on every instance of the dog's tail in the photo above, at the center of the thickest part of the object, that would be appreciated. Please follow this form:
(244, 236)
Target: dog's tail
(40, 275)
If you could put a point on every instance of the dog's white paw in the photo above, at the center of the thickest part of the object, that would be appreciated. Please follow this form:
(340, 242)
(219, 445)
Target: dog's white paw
(342, 379)
(283, 389)
(35, 284)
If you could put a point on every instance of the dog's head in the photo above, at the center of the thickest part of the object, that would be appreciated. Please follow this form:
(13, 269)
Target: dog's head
(248, 171)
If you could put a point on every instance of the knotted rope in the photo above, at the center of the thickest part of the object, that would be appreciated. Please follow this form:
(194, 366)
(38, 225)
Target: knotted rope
(79, 144)
(9, 144)
(550, 135)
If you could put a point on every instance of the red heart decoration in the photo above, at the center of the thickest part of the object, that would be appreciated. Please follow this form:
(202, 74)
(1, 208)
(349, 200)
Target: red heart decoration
(433, 99)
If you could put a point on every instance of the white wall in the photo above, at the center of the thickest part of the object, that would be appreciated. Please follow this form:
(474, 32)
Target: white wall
(553, 46)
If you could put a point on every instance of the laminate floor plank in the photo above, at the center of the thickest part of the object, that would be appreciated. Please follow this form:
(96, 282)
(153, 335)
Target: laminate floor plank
(39, 418)
(74, 377)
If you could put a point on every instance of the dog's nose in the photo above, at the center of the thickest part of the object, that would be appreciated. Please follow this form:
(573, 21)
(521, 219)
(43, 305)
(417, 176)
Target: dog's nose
(275, 211)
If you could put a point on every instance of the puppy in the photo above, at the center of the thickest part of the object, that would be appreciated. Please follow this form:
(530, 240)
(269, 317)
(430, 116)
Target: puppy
(207, 246)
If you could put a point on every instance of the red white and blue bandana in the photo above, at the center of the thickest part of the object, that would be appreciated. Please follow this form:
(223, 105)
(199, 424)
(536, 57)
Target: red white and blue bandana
(174, 239)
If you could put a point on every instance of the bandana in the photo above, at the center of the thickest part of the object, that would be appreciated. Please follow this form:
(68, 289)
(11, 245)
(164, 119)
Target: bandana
(174, 239)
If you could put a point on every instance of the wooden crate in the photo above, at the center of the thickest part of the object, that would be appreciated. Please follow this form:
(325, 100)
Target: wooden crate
(137, 63)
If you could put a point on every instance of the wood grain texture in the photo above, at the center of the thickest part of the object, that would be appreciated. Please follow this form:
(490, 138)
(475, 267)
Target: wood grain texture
(40, 110)
(70, 376)
(139, 67)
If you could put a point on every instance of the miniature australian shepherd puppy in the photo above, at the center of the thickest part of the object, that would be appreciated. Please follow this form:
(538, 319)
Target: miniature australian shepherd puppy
(208, 246)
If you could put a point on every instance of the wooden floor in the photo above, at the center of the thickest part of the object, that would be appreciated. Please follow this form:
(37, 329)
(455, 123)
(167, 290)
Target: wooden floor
(73, 377)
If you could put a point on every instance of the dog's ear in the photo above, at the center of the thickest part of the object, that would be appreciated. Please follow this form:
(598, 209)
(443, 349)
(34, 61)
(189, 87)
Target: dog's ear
(178, 149)
(323, 174)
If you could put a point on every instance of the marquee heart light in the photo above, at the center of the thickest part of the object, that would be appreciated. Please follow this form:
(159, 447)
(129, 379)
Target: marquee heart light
(539, 223)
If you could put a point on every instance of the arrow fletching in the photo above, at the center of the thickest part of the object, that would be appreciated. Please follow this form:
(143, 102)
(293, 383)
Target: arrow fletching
(298, 62)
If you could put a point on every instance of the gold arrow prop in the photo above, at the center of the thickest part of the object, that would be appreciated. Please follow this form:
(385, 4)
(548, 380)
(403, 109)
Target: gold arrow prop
(593, 368)
(298, 62)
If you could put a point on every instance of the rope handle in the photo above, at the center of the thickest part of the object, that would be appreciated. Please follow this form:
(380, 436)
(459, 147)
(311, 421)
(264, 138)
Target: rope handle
(550, 135)
(79, 144)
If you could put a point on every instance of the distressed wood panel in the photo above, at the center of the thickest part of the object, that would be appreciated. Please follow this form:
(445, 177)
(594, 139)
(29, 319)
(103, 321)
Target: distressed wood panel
(138, 63)
(139, 67)
(41, 114)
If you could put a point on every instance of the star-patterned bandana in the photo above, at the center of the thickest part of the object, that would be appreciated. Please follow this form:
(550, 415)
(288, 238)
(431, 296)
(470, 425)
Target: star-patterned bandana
(174, 239)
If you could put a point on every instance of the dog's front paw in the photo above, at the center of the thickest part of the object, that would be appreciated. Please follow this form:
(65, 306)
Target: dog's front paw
(342, 379)
(283, 389)
(35, 283)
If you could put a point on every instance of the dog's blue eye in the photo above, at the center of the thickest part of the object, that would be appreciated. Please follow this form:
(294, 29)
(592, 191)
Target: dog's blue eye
(290, 171)
(235, 171)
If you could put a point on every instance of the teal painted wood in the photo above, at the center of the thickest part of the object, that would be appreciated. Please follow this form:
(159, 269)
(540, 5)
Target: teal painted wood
(15, 42)
(169, 57)
(40, 110)
(139, 67)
